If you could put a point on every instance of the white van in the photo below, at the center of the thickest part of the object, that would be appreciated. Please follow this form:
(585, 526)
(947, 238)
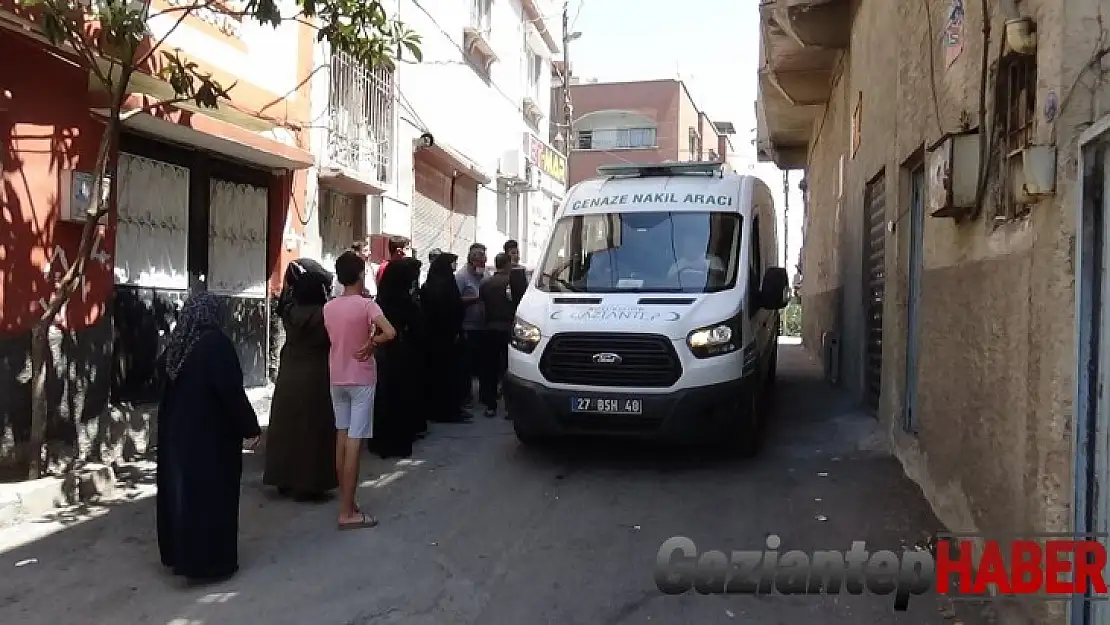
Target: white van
(654, 312)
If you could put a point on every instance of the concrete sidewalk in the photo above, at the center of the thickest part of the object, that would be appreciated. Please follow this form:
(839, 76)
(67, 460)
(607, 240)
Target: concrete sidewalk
(23, 501)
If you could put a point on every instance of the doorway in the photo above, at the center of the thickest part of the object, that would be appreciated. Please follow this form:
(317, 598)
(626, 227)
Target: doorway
(1091, 501)
(874, 288)
(913, 301)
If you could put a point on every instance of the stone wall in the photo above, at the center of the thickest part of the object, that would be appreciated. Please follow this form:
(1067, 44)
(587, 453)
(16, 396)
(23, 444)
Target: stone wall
(993, 451)
(82, 424)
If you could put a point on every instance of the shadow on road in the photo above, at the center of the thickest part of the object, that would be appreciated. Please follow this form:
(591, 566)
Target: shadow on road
(476, 529)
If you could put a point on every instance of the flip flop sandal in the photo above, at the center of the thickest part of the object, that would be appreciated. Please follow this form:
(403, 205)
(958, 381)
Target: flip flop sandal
(366, 522)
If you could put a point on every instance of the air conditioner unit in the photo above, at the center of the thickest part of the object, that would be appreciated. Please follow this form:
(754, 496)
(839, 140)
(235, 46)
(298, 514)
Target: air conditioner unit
(510, 169)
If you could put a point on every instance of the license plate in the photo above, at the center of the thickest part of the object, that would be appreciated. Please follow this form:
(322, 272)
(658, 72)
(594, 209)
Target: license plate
(607, 406)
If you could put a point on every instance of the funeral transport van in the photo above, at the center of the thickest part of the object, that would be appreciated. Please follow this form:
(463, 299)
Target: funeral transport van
(653, 312)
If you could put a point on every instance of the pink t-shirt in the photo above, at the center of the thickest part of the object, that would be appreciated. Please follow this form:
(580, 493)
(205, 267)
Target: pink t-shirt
(348, 319)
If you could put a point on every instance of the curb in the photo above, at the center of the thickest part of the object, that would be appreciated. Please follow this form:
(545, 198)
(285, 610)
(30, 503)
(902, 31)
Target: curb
(22, 501)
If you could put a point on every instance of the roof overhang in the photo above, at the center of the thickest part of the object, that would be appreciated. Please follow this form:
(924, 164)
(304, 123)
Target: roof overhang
(448, 159)
(274, 150)
(349, 181)
(802, 43)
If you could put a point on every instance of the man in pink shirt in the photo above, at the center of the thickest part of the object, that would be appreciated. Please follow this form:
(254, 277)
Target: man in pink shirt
(356, 327)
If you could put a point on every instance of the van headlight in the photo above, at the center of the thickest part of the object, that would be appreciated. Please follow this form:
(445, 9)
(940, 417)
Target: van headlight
(525, 336)
(713, 340)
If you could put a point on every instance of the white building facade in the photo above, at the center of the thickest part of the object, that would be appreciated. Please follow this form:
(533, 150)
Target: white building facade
(482, 93)
(448, 151)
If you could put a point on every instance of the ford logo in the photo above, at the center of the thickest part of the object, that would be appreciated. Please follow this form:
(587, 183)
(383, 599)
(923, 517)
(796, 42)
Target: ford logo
(606, 358)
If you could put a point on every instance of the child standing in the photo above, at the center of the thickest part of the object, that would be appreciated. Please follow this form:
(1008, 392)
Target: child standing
(356, 327)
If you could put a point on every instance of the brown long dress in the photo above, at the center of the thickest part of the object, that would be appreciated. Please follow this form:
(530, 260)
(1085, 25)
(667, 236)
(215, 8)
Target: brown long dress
(300, 442)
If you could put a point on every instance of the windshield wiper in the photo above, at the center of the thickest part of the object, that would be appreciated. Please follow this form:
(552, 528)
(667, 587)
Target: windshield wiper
(563, 283)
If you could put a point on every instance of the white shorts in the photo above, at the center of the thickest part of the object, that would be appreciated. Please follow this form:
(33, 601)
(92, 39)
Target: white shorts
(354, 410)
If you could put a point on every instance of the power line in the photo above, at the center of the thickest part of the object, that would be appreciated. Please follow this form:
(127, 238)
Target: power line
(574, 20)
(519, 107)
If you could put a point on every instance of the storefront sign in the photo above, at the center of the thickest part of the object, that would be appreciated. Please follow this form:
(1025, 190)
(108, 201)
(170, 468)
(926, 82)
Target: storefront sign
(546, 158)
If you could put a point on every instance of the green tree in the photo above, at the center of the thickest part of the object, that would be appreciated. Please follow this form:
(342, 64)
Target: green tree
(792, 319)
(110, 39)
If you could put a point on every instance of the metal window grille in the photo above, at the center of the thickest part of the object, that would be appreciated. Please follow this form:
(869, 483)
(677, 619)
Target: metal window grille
(360, 117)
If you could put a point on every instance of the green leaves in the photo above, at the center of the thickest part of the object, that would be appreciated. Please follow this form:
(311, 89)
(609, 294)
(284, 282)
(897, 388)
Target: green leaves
(189, 83)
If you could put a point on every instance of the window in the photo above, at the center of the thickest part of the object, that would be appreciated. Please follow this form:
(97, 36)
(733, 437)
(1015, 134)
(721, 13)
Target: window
(693, 143)
(480, 15)
(1015, 110)
(643, 252)
(534, 72)
(614, 139)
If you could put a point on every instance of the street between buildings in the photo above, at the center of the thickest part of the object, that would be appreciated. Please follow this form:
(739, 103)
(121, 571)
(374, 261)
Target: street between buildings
(477, 530)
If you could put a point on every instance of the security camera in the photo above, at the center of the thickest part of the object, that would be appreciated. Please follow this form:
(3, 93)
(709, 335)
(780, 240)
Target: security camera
(426, 140)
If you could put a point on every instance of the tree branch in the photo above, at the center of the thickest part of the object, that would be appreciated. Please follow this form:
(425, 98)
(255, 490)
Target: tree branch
(75, 37)
(158, 44)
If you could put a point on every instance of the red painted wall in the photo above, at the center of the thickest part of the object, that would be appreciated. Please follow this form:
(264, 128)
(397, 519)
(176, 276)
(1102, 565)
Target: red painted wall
(45, 127)
(658, 99)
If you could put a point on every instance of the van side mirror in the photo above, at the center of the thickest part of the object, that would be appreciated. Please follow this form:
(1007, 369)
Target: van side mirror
(773, 292)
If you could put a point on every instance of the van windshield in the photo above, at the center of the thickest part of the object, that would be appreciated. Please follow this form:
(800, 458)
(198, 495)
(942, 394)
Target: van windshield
(640, 252)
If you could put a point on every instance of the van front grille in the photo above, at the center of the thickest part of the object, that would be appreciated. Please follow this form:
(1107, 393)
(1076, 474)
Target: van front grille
(643, 360)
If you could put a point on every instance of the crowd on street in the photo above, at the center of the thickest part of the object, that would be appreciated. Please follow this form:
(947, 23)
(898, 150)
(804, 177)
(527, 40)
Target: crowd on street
(349, 376)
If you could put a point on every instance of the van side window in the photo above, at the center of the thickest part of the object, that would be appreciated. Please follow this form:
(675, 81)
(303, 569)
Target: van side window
(755, 270)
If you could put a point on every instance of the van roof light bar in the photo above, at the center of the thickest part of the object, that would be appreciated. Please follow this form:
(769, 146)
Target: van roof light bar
(703, 168)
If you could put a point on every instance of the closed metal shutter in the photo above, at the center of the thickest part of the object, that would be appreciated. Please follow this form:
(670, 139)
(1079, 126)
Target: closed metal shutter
(434, 224)
(874, 287)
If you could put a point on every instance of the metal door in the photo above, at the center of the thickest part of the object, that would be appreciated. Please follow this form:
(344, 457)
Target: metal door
(913, 303)
(1100, 443)
(151, 270)
(237, 270)
(152, 223)
(434, 223)
(874, 288)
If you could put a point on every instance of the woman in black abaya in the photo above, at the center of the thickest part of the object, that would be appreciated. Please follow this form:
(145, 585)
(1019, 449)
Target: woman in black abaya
(398, 407)
(443, 310)
(203, 419)
(300, 442)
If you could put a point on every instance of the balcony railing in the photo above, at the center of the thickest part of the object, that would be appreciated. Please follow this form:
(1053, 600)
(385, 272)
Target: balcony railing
(360, 118)
(481, 17)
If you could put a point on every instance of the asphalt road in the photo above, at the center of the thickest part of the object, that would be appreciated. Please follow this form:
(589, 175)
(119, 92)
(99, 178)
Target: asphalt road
(478, 531)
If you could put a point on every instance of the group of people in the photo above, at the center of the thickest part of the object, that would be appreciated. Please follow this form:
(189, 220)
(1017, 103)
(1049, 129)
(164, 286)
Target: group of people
(350, 374)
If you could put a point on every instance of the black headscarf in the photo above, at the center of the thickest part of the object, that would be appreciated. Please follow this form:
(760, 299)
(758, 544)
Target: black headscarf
(199, 316)
(441, 298)
(306, 283)
(398, 293)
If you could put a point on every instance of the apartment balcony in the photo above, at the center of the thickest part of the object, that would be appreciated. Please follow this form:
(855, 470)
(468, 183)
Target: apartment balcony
(477, 35)
(542, 15)
(802, 42)
(360, 143)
